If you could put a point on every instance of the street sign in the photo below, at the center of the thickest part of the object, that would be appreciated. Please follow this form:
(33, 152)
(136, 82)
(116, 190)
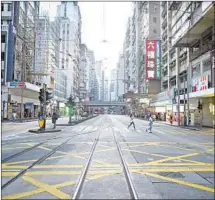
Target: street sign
(15, 84)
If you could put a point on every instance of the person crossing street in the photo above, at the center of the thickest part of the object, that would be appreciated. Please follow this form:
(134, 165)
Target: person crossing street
(150, 125)
(132, 121)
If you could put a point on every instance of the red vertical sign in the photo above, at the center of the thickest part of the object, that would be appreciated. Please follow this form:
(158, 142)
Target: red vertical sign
(150, 59)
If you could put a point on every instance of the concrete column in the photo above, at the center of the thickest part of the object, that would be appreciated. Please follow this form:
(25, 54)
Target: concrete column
(177, 82)
(137, 46)
(168, 46)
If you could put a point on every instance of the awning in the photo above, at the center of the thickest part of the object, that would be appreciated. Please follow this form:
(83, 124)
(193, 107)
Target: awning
(202, 93)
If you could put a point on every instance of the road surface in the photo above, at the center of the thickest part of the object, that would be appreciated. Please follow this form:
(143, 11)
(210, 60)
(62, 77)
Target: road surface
(102, 159)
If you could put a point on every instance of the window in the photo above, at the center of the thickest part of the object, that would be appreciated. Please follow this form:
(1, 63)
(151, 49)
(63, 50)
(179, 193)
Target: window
(206, 65)
(2, 7)
(196, 70)
(154, 31)
(154, 19)
(155, 9)
(2, 38)
(2, 56)
(9, 7)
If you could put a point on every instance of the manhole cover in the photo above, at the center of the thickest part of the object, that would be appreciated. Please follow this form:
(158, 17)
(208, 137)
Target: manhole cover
(171, 174)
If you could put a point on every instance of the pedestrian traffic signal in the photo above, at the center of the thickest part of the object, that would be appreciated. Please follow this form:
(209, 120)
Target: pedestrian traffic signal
(41, 95)
(48, 95)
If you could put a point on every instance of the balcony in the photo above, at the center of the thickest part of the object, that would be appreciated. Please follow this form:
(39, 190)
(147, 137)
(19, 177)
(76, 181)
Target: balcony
(164, 78)
(196, 27)
(172, 72)
(182, 68)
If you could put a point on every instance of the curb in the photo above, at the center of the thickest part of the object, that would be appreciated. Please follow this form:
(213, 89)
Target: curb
(44, 131)
(185, 127)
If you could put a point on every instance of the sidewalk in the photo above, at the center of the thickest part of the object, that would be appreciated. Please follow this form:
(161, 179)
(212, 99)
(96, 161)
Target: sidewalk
(175, 124)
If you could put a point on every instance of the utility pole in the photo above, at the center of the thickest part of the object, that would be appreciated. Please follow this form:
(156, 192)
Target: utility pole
(23, 67)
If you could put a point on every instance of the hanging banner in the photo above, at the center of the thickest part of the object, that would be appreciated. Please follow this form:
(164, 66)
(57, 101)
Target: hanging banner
(153, 59)
(150, 59)
(158, 59)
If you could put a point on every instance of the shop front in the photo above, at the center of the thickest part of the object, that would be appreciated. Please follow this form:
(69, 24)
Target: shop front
(160, 104)
(23, 100)
(203, 102)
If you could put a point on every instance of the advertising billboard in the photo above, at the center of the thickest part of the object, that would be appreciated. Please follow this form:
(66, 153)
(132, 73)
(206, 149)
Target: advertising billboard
(153, 59)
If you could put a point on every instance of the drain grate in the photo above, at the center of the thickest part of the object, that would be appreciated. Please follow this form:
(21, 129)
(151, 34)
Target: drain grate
(171, 174)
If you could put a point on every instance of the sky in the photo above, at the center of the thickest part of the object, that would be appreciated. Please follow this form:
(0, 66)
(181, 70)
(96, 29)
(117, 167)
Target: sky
(93, 26)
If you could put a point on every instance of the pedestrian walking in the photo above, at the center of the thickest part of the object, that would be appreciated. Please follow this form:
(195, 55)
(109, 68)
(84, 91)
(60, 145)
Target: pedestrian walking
(14, 116)
(54, 119)
(150, 125)
(132, 121)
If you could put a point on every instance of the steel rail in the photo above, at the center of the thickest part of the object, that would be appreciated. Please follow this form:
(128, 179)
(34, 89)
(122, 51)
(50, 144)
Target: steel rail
(130, 183)
(82, 177)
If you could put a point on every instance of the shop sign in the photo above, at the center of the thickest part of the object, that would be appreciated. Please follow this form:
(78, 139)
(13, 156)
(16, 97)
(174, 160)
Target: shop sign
(203, 82)
(200, 83)
(15, 84)
(153, 59)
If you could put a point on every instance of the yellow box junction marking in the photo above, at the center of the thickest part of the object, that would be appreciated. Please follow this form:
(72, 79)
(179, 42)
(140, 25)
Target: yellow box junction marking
(179, 157)
(159, 155)
(196, 186)
(37, 191)
(48, 188)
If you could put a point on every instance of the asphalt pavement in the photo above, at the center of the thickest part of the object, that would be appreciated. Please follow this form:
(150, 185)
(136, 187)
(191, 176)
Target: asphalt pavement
(102, 159)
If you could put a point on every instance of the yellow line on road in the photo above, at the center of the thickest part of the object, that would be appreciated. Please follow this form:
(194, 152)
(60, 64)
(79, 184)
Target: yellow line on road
(48, 188)
(37, 191)
(181, 169)
(56, 166)
(171, 164)
(196, 186)
(159, 155)
(99, 172)
(179, 157)
(71, 154)
(13, 148)
(46, 173)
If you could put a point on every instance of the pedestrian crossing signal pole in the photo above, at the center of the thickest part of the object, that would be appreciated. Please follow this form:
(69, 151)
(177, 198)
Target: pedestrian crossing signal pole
(42, 99)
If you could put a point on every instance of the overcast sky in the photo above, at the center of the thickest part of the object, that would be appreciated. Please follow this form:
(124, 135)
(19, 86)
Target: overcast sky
(93, 25)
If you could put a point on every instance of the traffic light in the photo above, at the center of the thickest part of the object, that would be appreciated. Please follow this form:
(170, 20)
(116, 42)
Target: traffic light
(48, 95)
(41, 95)
(71, 101)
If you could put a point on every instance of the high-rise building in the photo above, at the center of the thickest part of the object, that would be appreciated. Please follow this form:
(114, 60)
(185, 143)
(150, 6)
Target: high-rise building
(143, 25)
(113, 85)
(19, 93)
(120, 80)
(70, 37)
(46, 65)
(188, 62)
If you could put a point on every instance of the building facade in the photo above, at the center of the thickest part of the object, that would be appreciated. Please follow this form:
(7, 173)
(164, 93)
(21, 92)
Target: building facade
(113, 85)
(70, 40)
(188, 62)
(20, 94)
(120, 80)
(143, 25)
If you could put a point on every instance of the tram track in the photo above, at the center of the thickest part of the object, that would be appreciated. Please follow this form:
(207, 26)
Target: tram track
(127, 174)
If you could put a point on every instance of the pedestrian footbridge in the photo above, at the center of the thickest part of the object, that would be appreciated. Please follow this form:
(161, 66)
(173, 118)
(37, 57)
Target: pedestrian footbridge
(105, 103)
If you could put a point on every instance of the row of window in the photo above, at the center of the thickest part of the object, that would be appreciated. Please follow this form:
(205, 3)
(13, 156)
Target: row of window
(6, 6)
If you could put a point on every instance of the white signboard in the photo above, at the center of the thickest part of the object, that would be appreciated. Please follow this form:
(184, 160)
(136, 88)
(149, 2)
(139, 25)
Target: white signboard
(203, 82)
